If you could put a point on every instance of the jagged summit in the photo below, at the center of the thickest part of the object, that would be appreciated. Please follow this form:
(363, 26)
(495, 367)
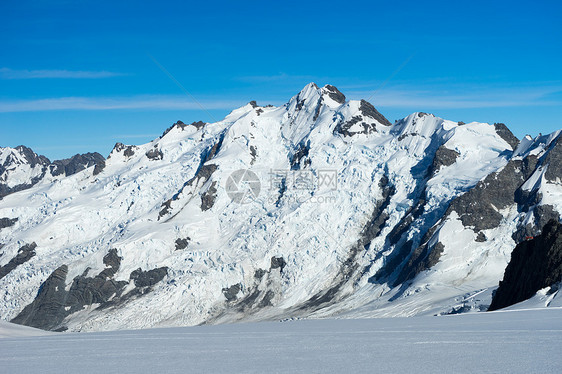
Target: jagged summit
(315, 208)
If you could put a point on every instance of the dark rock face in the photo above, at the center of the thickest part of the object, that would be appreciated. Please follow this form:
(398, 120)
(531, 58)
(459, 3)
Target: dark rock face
(253, 153)
(443, 157)
(553, 159)
(25, 253)
(369, 110)
(128, 150)
(478, 208)
(423, 258)
(258, 274)
(182, 243)
(182, 126)
(7, 222)
(301, 154)
(231, 293)
(481, 237)
(204, 173)
(208, 197)
(345, 128)
(30, 158)
(47, 310)
(99, 167)
(278, 263)
(148, 278)
(154, 154)
(535, 264)
(266, 301)
(506, 134)
(318, 108)
(335, 94)
(53, 303)
(75, 164)
(198, 125)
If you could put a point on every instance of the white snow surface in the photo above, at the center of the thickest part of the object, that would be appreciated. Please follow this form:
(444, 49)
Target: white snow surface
(77, 219)
(17, 170)
(11, 330)
(495, 342)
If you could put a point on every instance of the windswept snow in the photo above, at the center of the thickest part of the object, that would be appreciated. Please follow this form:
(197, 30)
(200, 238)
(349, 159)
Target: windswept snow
(10, 330)
(506, 342)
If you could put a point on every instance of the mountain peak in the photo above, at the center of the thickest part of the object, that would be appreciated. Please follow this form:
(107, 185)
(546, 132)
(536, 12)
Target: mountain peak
(334, 94)
(346, 212)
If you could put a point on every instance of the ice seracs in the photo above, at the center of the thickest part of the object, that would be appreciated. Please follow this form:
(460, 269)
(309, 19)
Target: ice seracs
(356, 216)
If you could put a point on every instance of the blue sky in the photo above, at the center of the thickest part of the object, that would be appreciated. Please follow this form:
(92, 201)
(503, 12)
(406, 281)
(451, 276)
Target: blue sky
(78, 76)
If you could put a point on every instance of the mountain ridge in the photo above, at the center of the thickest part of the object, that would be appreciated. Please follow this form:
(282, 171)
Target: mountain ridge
(424, 212)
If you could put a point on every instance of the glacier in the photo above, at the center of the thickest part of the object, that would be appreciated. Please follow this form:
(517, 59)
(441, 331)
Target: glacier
(349, 216)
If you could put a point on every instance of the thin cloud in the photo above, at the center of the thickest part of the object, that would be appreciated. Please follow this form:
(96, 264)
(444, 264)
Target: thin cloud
(115, 103)
(463, 99)
(7, 73)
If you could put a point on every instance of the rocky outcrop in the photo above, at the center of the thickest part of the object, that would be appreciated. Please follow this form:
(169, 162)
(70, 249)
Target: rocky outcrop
(300, 157)
(506, 134)
(278, 263)
(99, 167)
(25, 253)
(7, 222)
(154, 154)
(335, 94)
(208, 197)
(54, 303)
(535, 264)
(16, 158)
(39, 167)
(479, 207)
(148, 278)
(47, 310)
(443, 157)
(369, 110)
(75, 164)
(553, 162)
(182, 243)
(231, 293)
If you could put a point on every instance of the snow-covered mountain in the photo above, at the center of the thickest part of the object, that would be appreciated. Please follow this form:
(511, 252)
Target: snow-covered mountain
(21, 168)
(320, 207)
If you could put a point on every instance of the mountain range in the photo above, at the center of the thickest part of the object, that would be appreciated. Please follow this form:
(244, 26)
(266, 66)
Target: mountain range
(317, 208)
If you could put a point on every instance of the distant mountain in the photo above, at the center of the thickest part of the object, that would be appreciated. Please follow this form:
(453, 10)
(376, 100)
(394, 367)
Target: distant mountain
(21, 168)
(320, 207)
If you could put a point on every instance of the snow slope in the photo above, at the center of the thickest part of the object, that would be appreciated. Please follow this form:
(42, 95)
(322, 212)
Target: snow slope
(11, 330)
(354, 216)
(506, 342)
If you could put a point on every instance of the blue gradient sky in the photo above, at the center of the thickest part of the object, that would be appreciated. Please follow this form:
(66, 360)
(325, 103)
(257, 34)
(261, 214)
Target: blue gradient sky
(80, 76)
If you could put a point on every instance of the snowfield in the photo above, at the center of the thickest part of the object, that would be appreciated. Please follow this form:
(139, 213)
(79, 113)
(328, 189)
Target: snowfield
(508, 342)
